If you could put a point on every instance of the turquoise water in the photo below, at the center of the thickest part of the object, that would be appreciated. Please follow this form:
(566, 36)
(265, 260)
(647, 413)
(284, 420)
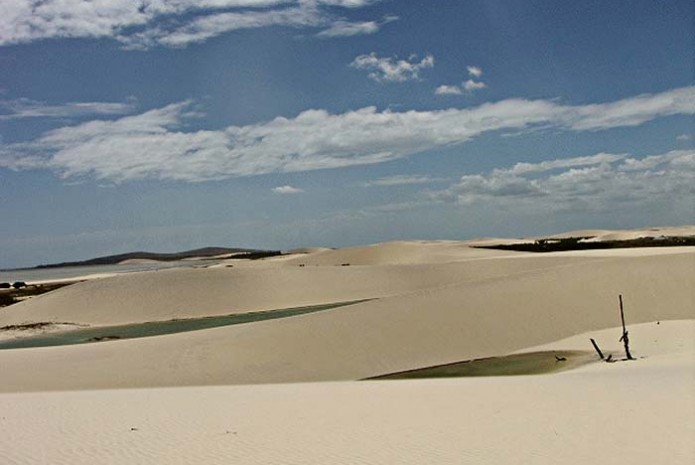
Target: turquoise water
(158, 328)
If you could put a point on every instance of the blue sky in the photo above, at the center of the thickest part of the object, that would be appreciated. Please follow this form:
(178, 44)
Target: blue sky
(173, 124)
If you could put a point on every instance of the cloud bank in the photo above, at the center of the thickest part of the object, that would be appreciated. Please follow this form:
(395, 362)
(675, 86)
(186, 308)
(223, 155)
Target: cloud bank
(601, 182)
(156, 144)
(172, 23)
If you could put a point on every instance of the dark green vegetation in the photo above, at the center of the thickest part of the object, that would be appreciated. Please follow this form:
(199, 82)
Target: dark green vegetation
(256, 255)
(11, 296)
(531, 363)
(154, 328)
(576, 243)
(167, 257)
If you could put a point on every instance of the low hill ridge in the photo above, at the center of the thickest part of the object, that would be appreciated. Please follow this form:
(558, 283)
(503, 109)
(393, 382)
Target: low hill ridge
(204, 252)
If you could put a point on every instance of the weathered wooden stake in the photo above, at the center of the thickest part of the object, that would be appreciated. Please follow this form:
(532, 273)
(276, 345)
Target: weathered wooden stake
(598, 351)
(624, 338)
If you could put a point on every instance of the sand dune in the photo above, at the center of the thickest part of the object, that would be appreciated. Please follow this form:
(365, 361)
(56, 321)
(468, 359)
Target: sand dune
(273, 284)
(399, 252)
(638, 412)
(208, 395)
(623, 235)
(456, 321)
(181, 293)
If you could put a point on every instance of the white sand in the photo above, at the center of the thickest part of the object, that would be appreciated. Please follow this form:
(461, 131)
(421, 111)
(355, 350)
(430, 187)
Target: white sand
(634, 412)
(623, 235)
(180, 293)
(443, 314)
(434, 302)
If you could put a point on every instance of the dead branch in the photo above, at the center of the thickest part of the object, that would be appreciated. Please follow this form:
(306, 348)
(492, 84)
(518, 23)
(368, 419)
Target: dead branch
(624, 338)
(598, 350)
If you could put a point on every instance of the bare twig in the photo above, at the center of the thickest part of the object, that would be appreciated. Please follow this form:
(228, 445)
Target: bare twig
(624, 338)
(598, 351)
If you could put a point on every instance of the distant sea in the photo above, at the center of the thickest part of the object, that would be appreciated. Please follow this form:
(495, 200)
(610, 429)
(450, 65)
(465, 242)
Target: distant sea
(44, 274)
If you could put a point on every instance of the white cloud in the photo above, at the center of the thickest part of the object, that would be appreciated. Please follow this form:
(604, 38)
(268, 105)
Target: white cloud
(342, 28)
(448, 90)
(684, 137)
(474, 71)
(401, 180)
(599, 158)
(392, 69)
(632, 111)
(599, 182)
(147, 23)
(157, 145)
(347, 3)
(205, 27)
(26, 108)
(287, 189)
(471, 85)
(348, 29)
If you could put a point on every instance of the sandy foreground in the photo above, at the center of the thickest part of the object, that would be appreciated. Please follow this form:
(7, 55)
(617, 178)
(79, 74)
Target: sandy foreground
(285, 390)
(626, 412)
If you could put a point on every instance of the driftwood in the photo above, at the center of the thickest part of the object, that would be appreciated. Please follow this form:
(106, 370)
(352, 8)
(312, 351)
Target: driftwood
(598, 351)
(624, 338)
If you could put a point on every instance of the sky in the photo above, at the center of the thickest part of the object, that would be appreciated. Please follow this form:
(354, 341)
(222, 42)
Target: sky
(167, 125)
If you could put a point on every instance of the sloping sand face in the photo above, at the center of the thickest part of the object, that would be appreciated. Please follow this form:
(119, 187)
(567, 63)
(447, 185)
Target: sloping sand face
(518, 303)
(187, 293)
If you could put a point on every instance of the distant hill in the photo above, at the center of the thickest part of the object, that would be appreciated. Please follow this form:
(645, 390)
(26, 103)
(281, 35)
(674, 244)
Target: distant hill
(168, 257)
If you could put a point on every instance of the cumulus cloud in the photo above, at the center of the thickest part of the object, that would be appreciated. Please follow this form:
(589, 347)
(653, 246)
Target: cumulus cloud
(157, 144)
(471, 85)
(401, 180)
(474, 71)
(684, 137)
(598, 182)
(26, 108)
(392, 69)
(448, 90)
(287, 189)
(148, 23)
